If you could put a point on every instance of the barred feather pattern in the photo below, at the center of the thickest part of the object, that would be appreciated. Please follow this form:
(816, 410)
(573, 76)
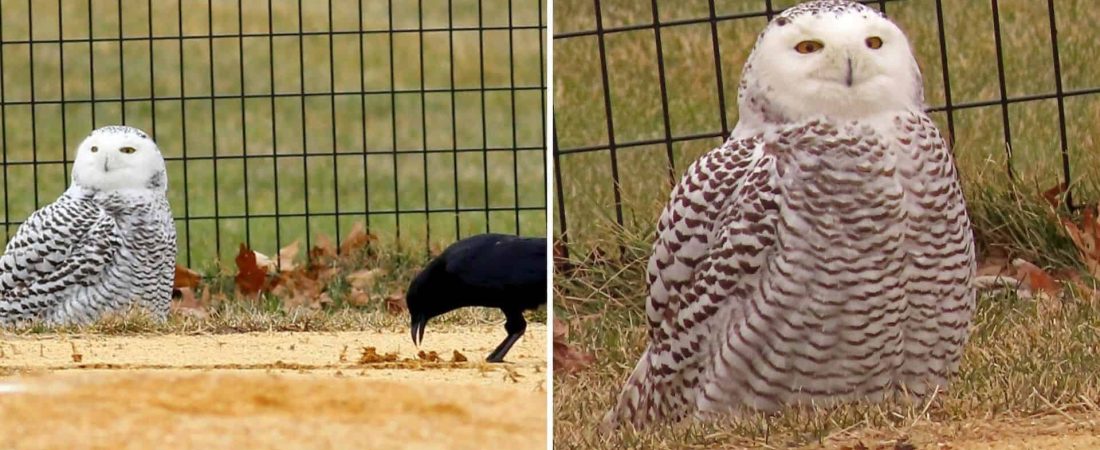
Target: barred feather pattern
(88, 254)
(815, 263)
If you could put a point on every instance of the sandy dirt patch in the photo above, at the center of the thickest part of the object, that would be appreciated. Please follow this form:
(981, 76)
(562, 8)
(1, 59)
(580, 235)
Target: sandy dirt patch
(271, 390)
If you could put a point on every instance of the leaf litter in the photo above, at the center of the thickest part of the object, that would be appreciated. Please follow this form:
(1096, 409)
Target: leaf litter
(296, 284)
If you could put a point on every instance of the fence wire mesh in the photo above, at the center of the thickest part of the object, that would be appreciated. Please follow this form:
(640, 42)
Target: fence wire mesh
(287, 120)
(642, 88)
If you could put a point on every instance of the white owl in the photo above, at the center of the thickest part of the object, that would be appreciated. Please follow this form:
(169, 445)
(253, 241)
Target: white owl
(823, 253)
(107, 244)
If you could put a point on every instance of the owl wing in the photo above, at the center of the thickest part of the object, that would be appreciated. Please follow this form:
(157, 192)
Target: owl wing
(64, 244)
(940, 252)
(711, 236)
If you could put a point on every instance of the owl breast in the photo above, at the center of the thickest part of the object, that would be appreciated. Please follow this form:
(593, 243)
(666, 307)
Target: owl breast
(825, 319)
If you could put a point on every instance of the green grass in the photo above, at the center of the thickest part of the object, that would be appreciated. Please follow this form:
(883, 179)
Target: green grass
(693, 108)
(372, 178)
(1025, 358)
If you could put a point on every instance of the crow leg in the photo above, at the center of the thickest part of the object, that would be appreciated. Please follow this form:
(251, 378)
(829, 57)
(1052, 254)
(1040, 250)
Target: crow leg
(515, 326)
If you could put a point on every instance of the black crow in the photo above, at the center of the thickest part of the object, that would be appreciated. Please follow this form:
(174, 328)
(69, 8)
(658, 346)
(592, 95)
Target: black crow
(489, 270)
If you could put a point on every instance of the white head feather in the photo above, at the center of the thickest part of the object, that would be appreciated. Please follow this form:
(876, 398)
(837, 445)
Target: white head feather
(116, 158)
(859, 65)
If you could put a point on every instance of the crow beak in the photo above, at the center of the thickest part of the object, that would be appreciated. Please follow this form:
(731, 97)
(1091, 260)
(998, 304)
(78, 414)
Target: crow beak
(417, 330)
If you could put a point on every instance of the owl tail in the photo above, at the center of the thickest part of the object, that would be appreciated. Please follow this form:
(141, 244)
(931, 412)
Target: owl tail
(644, 399)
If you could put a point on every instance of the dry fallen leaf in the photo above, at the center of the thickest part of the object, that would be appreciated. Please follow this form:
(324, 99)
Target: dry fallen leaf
(457, 357)
(363, 279)
(370, 355)
(561, 263)
(1036, 279)
(395, 304)
(322, 252)
(189, 305)
(356, 297)
(265, 262)
(1053, 196)
(428, 356)
(250, 278)
(358, 239)
(1086, 238)
(566, 358)
(287, 255)
(186, 278)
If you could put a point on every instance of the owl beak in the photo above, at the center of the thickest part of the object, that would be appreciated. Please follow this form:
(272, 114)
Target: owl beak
(106, 166)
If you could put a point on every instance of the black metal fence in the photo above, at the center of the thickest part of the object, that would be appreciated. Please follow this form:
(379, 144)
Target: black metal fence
(284, 120)
(1012, 83)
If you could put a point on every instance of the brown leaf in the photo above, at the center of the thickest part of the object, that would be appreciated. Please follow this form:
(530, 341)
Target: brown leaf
(358, 298)
(298, 288)
(323, 251)
(370, 355)
(457, 357)
(265, 262)
(566, 358)
(395, 304)
(1086, 290)
(287, 255)
(429, 356)
(562, 265)
(1053, 196)
(994, 267)
(250, 278)
(1086, 238)
(188, 305)
(1037, 279)
(363, 279)
(358, 238)
(186, 278)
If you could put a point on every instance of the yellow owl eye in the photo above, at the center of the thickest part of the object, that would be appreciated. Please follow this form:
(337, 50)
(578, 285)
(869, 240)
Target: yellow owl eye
(874, 42)
(95, 149)
(809, 46)
(127, 150)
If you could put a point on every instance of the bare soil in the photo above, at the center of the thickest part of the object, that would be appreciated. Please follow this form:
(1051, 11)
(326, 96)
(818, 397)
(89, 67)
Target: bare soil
(272, 390)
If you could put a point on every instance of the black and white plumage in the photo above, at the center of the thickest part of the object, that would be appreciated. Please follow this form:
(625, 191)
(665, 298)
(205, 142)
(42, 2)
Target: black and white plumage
(106, 245)
(487, 270)
(823, 253)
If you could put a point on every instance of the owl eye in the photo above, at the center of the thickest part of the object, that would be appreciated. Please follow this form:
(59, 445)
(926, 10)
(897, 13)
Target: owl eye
(874, 42)
(127, 150)
(805, 47)
(95, 149)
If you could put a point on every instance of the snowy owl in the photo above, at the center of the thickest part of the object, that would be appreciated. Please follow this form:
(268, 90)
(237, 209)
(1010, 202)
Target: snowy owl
(823, 253)
(108, 243)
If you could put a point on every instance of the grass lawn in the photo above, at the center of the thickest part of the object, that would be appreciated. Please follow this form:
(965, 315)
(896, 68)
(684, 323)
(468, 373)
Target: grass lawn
(1025, 358)
(314, 148)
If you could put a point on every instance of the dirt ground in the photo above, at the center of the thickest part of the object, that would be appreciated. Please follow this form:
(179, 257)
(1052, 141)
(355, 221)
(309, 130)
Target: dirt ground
(272, 390)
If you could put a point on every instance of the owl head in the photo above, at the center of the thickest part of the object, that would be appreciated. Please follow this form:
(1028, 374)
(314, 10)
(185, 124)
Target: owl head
(833, 58)
(119, 157)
